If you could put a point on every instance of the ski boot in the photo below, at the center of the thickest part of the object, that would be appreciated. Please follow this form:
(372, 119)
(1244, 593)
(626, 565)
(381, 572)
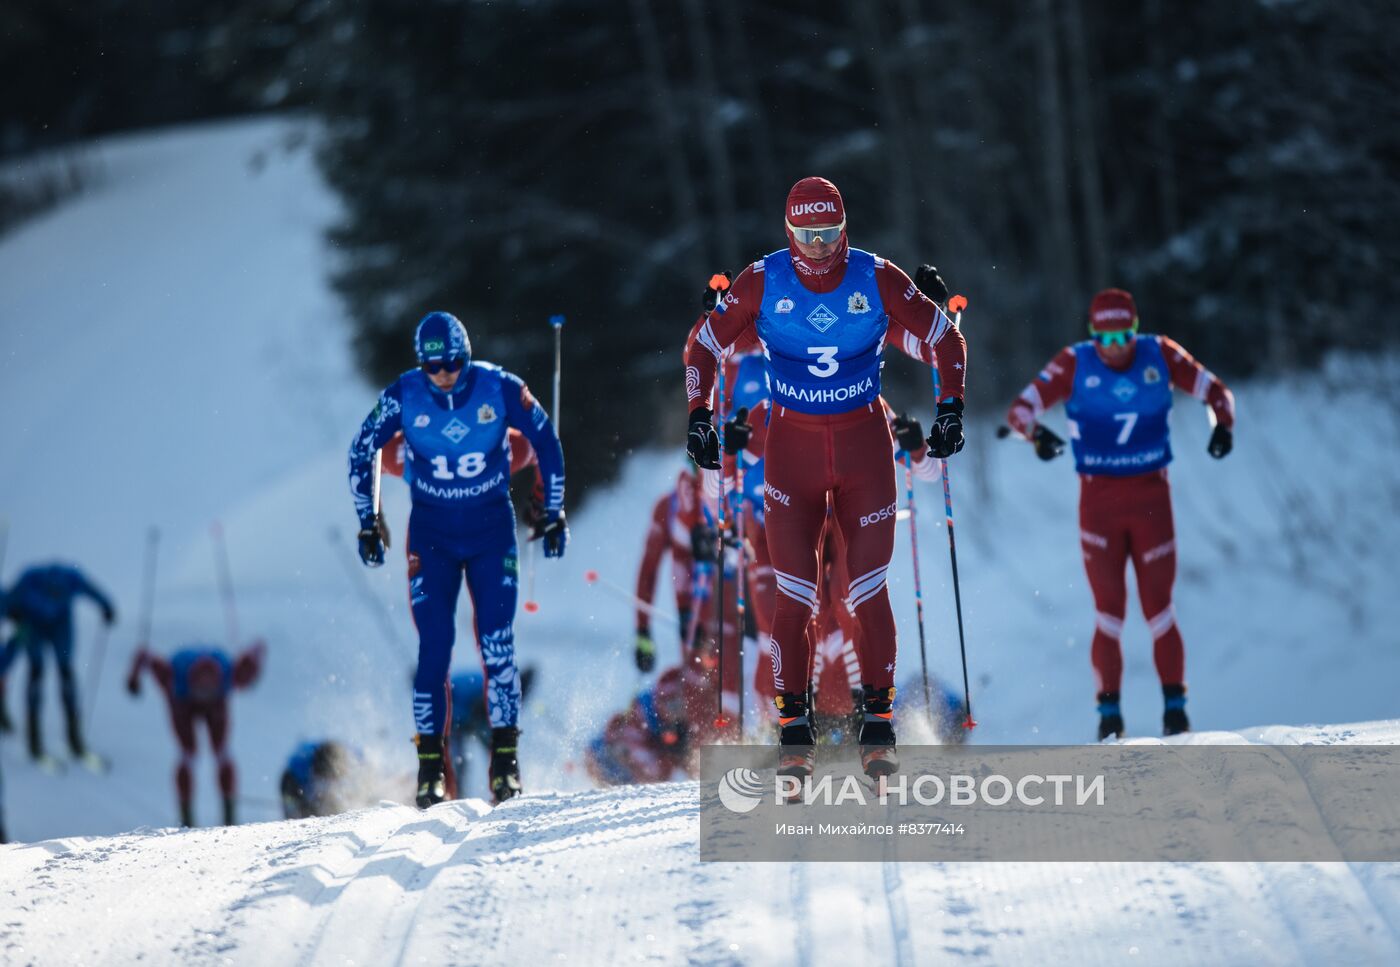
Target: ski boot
(505, 768)
(877, 743)
(46, 763)
(1110, 716)
(82, 755)
(797, 754)
(432, 786)
(230, 818)
(187, 815)
(1174, 720)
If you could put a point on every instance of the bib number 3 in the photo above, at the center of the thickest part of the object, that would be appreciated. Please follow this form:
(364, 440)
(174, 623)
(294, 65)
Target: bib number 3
(826, 355)
(468, 466)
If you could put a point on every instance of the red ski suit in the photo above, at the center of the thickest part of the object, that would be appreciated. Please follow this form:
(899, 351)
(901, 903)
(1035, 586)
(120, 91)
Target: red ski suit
(835, 634)
(842, 456)
(185, 712)
(1122, 517)
(672, 517)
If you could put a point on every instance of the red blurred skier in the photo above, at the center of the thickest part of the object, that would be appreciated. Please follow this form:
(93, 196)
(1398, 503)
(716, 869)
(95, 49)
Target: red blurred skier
(673, 518)
(650, 741)
(823, 312)
(1117, 391)
(197, 682)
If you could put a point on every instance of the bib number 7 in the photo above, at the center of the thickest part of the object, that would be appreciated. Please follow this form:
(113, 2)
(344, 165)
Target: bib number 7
(1129, 420)
(826, 355)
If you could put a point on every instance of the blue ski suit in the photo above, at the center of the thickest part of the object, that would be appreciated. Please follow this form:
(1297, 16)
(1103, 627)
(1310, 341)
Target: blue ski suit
(457, 466)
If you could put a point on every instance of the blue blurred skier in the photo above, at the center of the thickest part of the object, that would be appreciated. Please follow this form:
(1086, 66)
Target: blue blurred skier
(41, 606)
(321, 779)
(454, 414)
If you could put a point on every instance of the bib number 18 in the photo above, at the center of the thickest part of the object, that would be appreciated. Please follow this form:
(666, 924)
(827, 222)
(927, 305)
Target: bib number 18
(468, 466)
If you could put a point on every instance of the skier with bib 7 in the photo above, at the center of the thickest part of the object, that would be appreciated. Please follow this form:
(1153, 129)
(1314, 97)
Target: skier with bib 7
(1117, 391)
(823, 311)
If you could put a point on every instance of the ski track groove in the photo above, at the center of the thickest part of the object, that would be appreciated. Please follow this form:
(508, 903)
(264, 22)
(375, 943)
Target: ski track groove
(801, 903)
(363, 856)
(897, 907)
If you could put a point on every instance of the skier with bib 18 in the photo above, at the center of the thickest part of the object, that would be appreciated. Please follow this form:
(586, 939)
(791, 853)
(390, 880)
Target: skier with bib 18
(1117, 391)
(822, 311)
(454, 414)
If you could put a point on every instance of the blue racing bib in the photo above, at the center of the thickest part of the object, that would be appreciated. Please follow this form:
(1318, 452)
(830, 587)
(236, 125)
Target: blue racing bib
(1118, 419)
(823, 350)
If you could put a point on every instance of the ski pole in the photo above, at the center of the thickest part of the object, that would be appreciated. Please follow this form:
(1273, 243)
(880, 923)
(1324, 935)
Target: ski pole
(918, 584)
(143, 631)
(957, 303)
(593, 578)
(741, 579)
(700, 596)
(366, 593)
(221, 565)
(148, 587)
(719, 562)
(556, 321)
(96, 676)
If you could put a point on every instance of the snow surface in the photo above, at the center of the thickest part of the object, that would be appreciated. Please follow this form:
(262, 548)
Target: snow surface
(170, 355)
(612, 876)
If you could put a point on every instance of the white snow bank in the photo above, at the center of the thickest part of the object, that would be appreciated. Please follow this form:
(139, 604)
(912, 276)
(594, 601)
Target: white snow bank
(613, 877)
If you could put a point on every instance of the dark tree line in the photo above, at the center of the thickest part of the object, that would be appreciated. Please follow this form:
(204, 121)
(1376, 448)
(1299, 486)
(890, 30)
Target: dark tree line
(1232, 164)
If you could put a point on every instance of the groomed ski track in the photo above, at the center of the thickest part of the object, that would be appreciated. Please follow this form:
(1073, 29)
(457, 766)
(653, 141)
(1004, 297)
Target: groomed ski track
(613, 876)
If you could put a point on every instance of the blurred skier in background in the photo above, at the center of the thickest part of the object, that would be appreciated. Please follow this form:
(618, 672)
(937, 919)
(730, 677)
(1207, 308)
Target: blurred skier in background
(673, 519)
(1117, 391)
(824, 312)
(649, 742)
(40, 605)
(454, 415)
(197, 682)
(322, 778)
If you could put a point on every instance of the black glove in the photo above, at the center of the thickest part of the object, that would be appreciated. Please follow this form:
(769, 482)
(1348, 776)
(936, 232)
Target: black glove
(1222, 441)
(930, 283)
(373, 538)
(704, 542)
(646, 652)
(1048, 446)
(555, 531)
(737, 432)
(711, 296)
(109, 615)
(946, 436)
(909, 433)
(701, 442)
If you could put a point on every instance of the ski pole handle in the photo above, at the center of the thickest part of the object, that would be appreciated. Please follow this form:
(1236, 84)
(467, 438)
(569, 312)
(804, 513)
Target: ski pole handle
(557, 321)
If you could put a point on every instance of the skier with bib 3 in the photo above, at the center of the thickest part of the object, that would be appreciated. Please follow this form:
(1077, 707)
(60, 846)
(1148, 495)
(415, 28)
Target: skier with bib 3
(1117, 391)
(823, 311)
(454, 414)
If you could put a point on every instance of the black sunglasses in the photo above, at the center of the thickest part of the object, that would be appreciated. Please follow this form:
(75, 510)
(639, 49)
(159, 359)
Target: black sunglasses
(451, 365)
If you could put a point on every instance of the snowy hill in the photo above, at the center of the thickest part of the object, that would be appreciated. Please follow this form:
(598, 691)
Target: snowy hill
(170, 355)
(612, 877)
